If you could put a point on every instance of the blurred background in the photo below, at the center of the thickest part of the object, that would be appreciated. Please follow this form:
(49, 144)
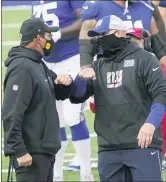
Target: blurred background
(13, 14)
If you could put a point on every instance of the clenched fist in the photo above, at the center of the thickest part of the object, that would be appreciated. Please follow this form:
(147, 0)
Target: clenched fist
(63, 79)
(87, 73)
(25, 160)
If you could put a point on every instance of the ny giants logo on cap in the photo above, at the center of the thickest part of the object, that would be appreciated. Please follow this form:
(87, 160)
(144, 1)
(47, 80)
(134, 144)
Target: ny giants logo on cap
(99, 23)
(116, 23)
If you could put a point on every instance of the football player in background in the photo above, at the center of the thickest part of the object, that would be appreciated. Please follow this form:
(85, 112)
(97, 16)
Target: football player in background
(65, 58)
(162, 8)
(137, 14)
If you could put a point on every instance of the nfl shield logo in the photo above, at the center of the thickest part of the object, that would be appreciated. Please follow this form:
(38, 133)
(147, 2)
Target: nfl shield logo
(15, 87)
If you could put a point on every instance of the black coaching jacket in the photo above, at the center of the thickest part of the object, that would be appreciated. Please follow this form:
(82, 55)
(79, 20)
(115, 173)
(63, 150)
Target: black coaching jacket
(29, 113)
(126, 86)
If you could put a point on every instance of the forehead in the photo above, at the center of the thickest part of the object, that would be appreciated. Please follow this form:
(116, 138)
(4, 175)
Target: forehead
(112, 31)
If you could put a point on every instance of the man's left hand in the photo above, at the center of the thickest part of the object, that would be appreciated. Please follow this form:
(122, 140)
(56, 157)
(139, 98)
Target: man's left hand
(63, 79)
(145, 135)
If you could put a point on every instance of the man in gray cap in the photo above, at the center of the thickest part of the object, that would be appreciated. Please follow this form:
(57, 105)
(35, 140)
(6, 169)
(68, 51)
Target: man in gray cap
(30, 118)
(129, 91)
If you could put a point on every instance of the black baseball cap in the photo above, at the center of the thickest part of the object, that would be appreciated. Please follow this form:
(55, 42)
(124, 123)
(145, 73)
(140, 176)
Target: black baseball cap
(33, 27)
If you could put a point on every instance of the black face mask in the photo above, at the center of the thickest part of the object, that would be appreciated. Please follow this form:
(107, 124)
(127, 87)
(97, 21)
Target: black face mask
(48, 47)
(111, 42)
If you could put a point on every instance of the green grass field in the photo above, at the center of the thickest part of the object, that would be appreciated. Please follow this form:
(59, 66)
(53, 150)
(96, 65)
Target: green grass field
(10, 34)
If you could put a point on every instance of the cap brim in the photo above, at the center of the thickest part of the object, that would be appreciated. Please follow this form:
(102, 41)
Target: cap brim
(97, 31)
(52, 29)
(92, 33)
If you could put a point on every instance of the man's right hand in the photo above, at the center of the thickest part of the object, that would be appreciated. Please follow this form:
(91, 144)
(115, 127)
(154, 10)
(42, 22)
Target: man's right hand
(63, 79)
(87, 73)
(25, 160)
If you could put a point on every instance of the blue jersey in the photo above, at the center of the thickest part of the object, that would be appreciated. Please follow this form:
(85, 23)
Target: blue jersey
(162, 3)
(59, 13)
(139, 14)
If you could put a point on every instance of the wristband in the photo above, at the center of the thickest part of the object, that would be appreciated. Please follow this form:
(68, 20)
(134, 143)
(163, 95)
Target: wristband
(156, 114)
(80, 86)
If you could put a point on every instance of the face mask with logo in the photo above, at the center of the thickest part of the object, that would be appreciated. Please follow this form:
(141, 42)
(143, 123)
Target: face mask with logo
(111, 42)
(48, 47)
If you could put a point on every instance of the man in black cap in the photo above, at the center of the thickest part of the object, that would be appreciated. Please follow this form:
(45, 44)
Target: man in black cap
(30, 119)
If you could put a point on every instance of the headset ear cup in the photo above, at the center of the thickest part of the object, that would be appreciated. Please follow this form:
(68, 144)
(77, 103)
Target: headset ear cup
(147, 44)
(145, 34)
(147, 40)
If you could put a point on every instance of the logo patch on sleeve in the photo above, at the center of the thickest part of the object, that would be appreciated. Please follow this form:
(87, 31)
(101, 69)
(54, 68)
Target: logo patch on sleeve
(15, 87)
(129, 63)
